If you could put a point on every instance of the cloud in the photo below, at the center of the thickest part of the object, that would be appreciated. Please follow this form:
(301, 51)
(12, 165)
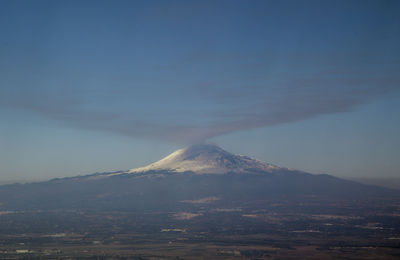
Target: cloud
(204, 96)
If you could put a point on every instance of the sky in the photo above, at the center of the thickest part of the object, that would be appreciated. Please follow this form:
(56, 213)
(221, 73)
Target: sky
(93, 86)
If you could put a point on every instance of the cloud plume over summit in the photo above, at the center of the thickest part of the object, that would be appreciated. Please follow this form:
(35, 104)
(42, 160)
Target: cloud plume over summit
(154, 71)
(202, 104)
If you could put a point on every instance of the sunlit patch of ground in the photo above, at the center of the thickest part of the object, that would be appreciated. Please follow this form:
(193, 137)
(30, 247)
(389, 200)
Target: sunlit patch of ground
(202, 200)
(186, 215)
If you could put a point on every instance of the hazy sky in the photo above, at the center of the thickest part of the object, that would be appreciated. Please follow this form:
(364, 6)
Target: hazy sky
(90, 86)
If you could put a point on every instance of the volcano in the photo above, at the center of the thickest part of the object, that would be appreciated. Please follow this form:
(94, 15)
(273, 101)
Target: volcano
(189, 174)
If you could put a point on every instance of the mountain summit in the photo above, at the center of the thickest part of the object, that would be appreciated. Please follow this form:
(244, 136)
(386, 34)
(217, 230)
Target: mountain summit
(207, 159)
(202, 175)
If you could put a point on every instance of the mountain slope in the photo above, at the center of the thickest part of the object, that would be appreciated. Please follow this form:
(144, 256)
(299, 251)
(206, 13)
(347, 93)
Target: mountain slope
(191, 174)
(207, 159)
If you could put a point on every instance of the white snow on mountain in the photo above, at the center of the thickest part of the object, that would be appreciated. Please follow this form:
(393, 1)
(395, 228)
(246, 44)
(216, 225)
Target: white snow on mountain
(207, 159)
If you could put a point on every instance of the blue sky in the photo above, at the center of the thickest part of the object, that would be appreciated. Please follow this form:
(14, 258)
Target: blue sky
(91, 86)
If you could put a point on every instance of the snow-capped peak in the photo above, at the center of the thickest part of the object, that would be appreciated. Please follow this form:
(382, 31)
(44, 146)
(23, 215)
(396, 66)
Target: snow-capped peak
(206, 159)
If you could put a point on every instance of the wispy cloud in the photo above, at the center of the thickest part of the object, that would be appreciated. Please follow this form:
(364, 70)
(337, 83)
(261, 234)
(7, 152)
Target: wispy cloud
(186, 72)
(189, 109)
